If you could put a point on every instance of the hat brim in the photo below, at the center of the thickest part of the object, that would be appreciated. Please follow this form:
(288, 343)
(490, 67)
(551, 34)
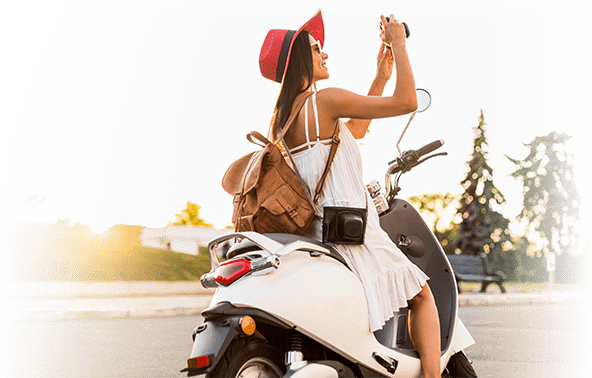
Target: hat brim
(316, 28)
(277, 47)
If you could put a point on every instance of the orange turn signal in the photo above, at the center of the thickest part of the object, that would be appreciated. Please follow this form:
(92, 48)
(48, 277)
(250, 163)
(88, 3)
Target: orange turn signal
(248, 325)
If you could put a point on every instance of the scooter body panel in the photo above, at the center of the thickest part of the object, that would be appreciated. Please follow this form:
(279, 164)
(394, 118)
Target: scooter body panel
(319, 285)
(303, 287)
(324, 300)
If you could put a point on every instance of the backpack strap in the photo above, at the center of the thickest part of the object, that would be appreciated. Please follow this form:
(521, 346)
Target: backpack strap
(295, 168)
(335, 141)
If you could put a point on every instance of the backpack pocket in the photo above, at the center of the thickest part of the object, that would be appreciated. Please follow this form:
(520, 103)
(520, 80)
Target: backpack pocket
(284, 211)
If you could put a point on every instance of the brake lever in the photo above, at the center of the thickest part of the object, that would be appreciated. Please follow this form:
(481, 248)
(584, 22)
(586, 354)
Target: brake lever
(429, 157)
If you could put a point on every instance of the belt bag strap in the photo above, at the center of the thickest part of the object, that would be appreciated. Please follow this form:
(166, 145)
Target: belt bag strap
(334, 144)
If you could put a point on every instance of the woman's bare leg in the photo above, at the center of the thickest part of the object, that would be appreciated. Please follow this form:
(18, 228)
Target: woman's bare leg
(424, 329)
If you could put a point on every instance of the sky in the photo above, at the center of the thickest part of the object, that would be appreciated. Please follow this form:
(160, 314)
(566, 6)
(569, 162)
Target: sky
(119, 112)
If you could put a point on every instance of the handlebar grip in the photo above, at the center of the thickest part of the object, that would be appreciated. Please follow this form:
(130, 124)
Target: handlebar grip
(429, 148)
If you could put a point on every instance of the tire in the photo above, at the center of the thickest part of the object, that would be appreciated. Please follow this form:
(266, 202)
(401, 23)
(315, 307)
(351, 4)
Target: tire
(459, 366)
(250, 358)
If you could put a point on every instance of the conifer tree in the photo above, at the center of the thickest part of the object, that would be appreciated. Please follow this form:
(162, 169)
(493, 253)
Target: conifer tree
(482, 229)
(551, 200)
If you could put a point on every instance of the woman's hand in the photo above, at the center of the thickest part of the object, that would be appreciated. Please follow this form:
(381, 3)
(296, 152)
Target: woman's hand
(385, 59)
(392, 32)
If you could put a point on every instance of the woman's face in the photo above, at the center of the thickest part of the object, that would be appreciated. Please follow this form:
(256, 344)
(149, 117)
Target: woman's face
(320, 71)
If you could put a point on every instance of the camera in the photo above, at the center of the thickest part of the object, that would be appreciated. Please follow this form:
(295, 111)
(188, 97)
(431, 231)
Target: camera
(344, 225)
(407, 31)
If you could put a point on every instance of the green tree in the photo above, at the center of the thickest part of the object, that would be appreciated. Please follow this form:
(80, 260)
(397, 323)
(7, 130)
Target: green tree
(528, 267)
(434, 208)
(551, 200)
(190, 216)
(482, 229)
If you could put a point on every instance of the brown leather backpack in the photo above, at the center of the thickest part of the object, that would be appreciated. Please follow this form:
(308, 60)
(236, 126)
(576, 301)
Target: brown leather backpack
(270, 196)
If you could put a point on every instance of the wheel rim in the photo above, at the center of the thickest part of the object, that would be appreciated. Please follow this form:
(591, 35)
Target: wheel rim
(259, 368)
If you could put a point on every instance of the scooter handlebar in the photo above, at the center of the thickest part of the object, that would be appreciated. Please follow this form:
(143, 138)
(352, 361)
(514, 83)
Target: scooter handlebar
(429, 148)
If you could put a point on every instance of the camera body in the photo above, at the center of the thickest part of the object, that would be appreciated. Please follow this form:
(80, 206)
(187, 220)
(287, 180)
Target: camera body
(344, 225)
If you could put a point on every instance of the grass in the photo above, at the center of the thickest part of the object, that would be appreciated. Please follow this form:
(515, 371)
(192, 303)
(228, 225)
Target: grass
(61, 253)
(137, 264)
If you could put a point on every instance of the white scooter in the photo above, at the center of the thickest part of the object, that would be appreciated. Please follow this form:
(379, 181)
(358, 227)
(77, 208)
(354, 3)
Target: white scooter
(288, 306)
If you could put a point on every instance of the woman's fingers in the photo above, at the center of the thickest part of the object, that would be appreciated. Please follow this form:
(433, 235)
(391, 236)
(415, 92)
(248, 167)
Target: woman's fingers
(385, 50)
(392, 32)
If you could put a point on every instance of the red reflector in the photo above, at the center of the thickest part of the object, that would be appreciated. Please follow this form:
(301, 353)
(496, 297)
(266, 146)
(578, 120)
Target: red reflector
(198, 362)
(231, 270)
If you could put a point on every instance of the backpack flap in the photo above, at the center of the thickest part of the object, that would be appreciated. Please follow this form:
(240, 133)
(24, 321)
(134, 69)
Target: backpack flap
(254, 170)
(234, 174)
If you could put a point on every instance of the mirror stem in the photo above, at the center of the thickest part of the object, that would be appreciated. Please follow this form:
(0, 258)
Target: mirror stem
(404, 130)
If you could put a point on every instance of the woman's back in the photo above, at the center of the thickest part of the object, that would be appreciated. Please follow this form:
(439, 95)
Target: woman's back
(344, 184)
(312, 113)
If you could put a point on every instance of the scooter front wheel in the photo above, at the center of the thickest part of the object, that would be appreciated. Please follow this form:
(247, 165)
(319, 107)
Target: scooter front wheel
(459, 366)
(250, 358)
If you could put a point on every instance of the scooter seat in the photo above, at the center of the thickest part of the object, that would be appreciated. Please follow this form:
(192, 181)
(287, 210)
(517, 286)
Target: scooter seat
(248, 246)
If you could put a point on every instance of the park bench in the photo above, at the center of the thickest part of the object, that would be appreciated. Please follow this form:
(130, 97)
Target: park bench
(470, 268)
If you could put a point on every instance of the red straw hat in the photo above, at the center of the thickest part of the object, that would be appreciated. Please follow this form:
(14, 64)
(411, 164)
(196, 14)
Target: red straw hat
(276, 49)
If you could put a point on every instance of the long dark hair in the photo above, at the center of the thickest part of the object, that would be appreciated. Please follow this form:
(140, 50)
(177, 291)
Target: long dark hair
(298, 78)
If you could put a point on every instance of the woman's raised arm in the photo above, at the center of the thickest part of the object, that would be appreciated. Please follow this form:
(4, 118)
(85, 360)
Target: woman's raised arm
(339, 103)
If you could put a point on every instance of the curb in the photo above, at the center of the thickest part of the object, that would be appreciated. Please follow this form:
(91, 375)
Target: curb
(93, 315)
(47, 309)
(78, 308)
(549, 297)
(103, 289)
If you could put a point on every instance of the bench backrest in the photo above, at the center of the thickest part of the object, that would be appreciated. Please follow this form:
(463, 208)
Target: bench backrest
(466, 264)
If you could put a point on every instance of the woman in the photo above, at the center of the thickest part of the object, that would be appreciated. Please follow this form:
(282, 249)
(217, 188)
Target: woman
(296, 60)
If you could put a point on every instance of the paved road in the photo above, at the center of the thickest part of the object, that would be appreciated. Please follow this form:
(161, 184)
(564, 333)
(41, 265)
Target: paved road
(124, 347)
(540, 340)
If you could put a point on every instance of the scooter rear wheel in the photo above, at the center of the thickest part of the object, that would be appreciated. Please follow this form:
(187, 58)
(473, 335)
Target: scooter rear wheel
(250, 358)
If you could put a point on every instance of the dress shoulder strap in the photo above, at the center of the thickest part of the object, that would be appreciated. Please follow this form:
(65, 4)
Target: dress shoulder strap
(316, 117)
(308, 144)
(316, 114)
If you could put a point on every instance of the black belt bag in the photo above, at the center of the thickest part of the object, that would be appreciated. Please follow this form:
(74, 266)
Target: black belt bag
(344, 225)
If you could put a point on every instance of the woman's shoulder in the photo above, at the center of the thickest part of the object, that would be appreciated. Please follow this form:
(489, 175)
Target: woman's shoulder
(331, 92)
(334, 95)
(335, 101)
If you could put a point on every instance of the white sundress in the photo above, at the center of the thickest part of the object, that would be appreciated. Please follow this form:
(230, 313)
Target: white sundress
(388, 277)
